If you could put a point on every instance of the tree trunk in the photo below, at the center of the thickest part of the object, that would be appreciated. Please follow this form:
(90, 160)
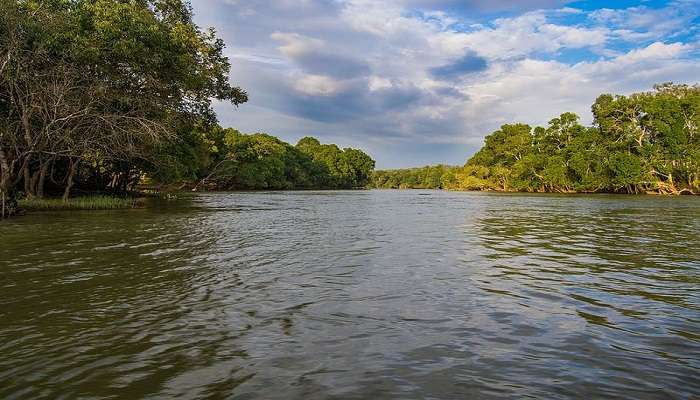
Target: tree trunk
(34, 181)
(42, 178)
(27, 177)
(71, 176)
(8, 199)
(113, 184)
(123, 181)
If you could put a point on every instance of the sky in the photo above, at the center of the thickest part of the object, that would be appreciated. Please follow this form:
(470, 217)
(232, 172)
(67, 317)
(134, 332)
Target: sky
(417, 82)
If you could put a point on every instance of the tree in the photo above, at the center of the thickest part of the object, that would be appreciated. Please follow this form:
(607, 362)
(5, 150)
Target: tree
(91, 83)
(261, 161)
(347, 168)
(428, 177)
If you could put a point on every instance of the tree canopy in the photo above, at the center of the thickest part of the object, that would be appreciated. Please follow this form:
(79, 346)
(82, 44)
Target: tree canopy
(429, 177)
(97, 87)
(261, 161)
(643, 143)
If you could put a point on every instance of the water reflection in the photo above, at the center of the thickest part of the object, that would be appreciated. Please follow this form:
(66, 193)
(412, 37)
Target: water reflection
(627, 274)
(369, 294)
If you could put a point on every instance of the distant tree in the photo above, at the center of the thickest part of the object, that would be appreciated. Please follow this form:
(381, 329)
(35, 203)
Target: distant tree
(428, 177)
(345, 168)
(261, 161)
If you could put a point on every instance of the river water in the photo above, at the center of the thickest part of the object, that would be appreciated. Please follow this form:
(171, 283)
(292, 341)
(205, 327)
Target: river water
(355, 295)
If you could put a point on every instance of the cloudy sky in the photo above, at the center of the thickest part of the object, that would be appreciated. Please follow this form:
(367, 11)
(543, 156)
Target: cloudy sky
(416, 82)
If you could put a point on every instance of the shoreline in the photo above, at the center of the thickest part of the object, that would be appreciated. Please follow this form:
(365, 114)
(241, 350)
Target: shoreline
(682, 193)
(140, 199)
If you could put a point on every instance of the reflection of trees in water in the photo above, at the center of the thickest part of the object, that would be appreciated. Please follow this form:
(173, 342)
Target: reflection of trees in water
(594, 234)
(603, 282)
(609, 252)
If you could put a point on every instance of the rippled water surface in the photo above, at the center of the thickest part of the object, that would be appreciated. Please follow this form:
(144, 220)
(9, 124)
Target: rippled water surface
(355, 295)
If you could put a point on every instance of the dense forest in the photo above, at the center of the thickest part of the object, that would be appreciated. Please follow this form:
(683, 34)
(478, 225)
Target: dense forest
(260, 161)
(429, 177)
(98, 95)
(643, 143)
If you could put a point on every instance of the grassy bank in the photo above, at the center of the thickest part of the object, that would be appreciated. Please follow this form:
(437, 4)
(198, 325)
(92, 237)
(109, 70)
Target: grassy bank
(81, 203)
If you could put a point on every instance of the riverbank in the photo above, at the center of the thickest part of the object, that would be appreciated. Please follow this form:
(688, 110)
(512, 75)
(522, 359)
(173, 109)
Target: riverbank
(106, 202)
(683, 192)
(96, 202)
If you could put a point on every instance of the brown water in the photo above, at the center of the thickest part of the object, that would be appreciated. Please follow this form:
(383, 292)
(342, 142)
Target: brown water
(357, 295)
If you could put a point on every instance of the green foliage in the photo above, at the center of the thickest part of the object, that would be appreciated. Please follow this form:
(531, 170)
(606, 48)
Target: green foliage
(625, 169)
(336, 168)
(429, 177)
(505, 146)
(261, 161)
(106, 91)
(644, 143)
(81, 203)
(198, 148)
(151, 48)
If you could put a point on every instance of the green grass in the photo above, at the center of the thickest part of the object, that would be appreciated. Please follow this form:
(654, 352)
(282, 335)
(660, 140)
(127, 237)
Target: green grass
(81, 203)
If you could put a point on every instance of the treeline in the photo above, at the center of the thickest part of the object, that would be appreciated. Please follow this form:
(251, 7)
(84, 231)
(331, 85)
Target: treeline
(644, 143)
(260, 161)
(429, 177)
(96, 95)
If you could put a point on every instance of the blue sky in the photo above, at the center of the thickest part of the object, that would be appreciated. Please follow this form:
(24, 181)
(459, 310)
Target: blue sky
(416, 82)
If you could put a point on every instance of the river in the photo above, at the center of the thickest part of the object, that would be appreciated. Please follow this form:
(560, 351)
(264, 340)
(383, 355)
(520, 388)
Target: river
(355, 295)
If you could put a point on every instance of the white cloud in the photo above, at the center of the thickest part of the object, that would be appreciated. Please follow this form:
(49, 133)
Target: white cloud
(656, 51)
(316, 85)
(378, 83)
(530, 33)
(296, 45)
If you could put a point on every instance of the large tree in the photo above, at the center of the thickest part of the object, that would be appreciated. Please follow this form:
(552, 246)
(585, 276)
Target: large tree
(102, 82)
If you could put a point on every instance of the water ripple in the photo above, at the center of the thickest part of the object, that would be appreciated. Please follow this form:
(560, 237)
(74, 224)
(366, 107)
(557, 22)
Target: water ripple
(355, 295)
